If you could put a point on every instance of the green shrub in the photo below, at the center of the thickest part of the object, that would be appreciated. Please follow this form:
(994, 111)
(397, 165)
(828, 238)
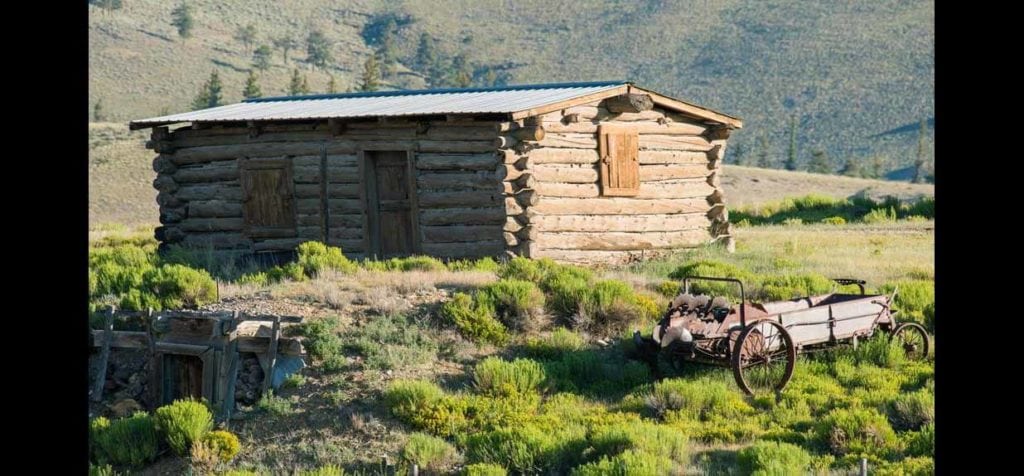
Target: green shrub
(293, 381)
(97, 426)
(913, 299)
(430, 453)
(770, 458)
(789, 286)
(565, 292)
(418, 263)
(224, 443)
(915, 218)
(610, 307)
(486, 264)
(921, 442)
(696, 399)
(669, 289)
(882, 351)
(880, 215)
(836, 220)
(496, 377)
(475, 321)
(523, 269)
(627, 463)
(523, 449)
(180, 286)
(103, 470)
(274, 405)
(659, 441)
(858, 431)
(329, 470)
(258, 278)
(315, 257)
(130, 441)
(559, 342)
(184, 422)
(518, 304)
(485, 469)
(710, 268)
(392, 341)
(594, 372)
(321, 341)
(911, 411)
(290, 271)
(406, 398)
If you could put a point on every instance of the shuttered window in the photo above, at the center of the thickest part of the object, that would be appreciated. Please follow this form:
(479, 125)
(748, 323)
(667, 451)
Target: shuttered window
(268, 197)
(620, 162)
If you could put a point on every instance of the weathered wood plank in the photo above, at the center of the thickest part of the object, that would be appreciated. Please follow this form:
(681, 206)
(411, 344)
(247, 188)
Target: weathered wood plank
(562, 156)
(334, 190)
(564, 173)
(621, 241)
(458, 180)
(465, 250)
(335, 174)
(460, 233)
(673, 157)
(569, 140)
(211, 224)
(214, 209)
(230, 191)
(673, 172)
(215, 172)
(648, 190)
(669, 142)
(340, 206)
(467, 216)
(643, 127)
(460, 199)
(593, 257)
(616, 206)
(616, 223)
(456, 161)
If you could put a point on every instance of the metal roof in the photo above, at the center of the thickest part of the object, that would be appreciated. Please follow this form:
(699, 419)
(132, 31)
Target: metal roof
(495, 100)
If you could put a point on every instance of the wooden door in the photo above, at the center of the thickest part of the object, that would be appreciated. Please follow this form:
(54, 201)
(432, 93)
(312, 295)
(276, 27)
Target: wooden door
(390, 204)
(268, 198)
(183, 377)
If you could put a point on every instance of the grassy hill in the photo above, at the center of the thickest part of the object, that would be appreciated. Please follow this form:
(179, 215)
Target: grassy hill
(849, 72)
(121, 176)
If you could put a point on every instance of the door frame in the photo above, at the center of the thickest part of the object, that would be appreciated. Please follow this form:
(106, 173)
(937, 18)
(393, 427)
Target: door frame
(367, 185)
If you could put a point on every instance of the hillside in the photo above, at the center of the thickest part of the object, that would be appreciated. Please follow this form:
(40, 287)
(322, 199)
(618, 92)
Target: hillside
(121, 191)
(850, 73)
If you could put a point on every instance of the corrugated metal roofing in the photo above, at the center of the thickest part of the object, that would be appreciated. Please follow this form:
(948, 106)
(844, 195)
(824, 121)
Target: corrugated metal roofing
(498, 100)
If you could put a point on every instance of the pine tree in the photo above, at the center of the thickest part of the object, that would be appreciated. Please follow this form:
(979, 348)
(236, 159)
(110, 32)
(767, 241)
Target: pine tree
(98, 114)
(252, 88)
(920, 160)
(851, 168)
(461, 72)
(371, 75)
(261, 58)
(437, 74)
(739, 155)
(791, 157)
(318, 49)
(298, 84)
(820, 163)
(387, 51)
(763, 153)
(878, 167)
(490, 78)
(210, 94)
(247, 36)
(181, 18)
(332, 86)
(285, 43)
(426, 53)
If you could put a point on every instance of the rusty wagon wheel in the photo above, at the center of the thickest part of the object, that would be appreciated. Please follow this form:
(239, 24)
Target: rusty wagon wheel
(913, 338)
(763, 358)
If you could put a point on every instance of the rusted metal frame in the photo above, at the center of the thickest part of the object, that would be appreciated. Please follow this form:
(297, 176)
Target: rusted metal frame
(743, 295)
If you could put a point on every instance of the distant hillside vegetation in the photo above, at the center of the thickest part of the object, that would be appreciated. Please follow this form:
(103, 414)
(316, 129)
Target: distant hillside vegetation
(856, 76)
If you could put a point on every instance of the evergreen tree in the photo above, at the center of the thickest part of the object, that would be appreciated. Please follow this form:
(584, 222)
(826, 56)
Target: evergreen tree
(878, 167)
(739, 155)
(490, 78)
(298, 84)
(437, 74)
(791, 157)
(332, 86)
(252, 88)
(371, 75)
(851, 168)
(210, 94)
(247, 36)
(763, 154)
(285, 43)
(318, 49)
(426, 53)
(98, 114)
(461, 72)
(820, 163)
(920, 160)
(387, 51)
(181, 18)
(261, 58)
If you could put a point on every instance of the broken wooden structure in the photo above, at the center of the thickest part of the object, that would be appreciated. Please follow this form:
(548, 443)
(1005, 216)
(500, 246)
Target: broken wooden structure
(585, 172)
(196, 354)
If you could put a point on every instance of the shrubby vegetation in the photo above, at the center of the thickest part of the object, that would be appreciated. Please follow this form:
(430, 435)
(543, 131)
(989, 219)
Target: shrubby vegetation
(835, 211)
(134, 277)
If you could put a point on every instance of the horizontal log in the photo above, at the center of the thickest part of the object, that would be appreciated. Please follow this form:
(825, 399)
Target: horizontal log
(476, 249)
(591, 257)
(172, 215)
(510, 239)
(527, 197)
(460, 199)
(466, 216)
(194, 155)
(217, 172)
(564, 173)
(230, 191)
(333, 160)
(334, 190)
(648, 190)
(673, 157)
(311, 174)
(616, 206)
(507, 172)
(602, 114)
(341, 206)
(529, 133)
(642, 127)
(345, 233)
(562, 156)
(668, 142)
(362, 134)
(620, 241)
(169, 234)
(214, 209)
(309, 233)
(672, 172)
(630, 102)
(512, 207)
(512, 224)
(508, 156)
(165, 183)
(505, 142)
(456, 161)
(140, 340)
(212, 224)
(460, 233)
(526, 180)
(233, 240)
(569, 140)
(162, 164)
(458, 180)
(619, 223)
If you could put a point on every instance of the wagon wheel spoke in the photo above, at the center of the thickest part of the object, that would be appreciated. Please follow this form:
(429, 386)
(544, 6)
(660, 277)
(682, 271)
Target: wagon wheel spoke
(913, 339)
(766, 358)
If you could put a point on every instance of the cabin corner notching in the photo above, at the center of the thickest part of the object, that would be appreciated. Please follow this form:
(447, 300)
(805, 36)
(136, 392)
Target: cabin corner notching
(585, 172)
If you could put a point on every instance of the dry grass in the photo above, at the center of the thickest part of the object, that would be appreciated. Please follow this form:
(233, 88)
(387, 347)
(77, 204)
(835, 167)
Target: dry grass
(746, 186)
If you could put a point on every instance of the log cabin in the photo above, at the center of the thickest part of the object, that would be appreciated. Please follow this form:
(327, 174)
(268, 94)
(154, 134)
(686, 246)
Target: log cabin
(596, 172)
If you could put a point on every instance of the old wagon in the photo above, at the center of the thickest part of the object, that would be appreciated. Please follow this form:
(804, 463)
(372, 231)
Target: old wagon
(760, 341)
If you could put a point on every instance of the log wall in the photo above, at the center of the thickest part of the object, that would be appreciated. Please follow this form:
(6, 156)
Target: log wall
(680, 204)
(461, 203)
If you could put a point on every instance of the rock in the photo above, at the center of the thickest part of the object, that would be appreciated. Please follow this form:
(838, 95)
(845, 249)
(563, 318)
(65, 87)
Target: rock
(124, 407)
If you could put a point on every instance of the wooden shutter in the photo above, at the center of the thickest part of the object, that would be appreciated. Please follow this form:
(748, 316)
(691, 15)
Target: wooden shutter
(268, 197)
(620, 162)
